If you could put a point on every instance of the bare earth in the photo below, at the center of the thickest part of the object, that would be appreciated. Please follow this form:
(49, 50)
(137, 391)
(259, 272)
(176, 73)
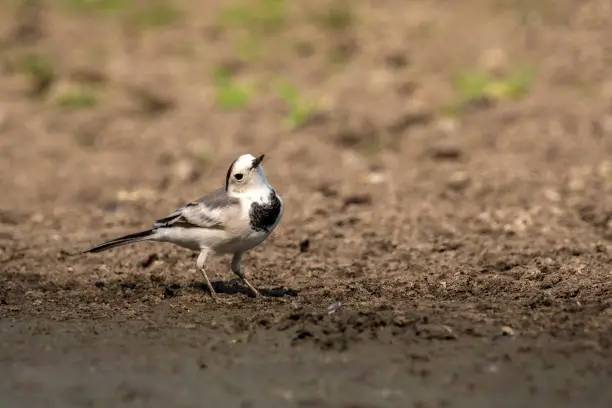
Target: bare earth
(428, 257)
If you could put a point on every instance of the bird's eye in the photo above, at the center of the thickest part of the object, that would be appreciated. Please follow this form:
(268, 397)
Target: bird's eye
(238, 176)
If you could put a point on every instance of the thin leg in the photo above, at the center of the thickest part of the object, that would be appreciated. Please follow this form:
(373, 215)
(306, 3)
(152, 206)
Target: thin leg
(200, 264)
(236, 261)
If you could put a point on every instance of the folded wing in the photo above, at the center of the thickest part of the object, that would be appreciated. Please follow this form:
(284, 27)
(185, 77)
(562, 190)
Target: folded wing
(211, 211)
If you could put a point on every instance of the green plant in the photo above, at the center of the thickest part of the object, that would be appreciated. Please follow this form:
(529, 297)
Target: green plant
(472, 85)
(478, 85)
(77, 96)
(514, 85)
(230, 94)
(300, 110)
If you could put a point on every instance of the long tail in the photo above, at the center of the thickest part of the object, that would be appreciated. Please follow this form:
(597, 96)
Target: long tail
(124, 240)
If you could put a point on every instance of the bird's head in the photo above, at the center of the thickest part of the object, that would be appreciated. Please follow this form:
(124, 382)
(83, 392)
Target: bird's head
(245, 174)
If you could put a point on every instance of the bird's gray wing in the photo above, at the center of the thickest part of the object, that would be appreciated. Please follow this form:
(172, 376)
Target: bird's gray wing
(211, 211)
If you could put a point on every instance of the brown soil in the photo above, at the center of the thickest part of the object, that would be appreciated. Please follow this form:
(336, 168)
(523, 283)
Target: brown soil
(425, 258)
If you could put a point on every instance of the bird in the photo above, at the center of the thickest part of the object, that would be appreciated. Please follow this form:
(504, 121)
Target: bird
(230, 220)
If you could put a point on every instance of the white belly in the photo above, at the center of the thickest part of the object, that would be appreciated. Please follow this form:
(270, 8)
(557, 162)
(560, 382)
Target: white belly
(220, 241)
(242, 244)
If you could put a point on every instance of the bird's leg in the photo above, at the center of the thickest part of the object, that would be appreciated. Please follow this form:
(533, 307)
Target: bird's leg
(200, 264)
(236, 261)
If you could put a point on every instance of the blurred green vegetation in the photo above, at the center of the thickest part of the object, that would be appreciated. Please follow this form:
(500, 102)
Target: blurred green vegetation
(258, 25)
(255, 27)
(230, 93)
(300, 109)
(474, 86)
(135, 14)
(77, 96)
(257, 35)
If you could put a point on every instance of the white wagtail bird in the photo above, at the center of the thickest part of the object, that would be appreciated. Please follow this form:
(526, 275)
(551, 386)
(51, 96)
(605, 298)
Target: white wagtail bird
(230, 220)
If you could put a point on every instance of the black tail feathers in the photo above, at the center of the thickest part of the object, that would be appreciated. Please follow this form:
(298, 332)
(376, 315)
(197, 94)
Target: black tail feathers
(126, 239)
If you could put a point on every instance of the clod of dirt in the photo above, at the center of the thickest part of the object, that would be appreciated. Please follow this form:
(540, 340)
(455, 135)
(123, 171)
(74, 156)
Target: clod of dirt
(171, 290)
(356, 199)
(334, 307)
(87, 136)
(478, 104)
(446, 246)
(539, 300)
(304, 49)
(11, 218)
(166, 158)
(4, 296)
(409, 120)
(599, 218)
(88, 76)
(278, 292)
(233, 66)
(458, 181)
(304, 245)
(5, 235)
(345, 50)
(376, 177)
(397, 60)
(347, 221)
(502, 265)
(202, 364)
(353, 135)
(157, 278)
(328, 191)
(406, 88)
(62, 254)
(445, 152)
(507, 331)
(128, 285)
(435, 332)
(151, 103)
(41, 85)
(302, 334)
(110, 207)
(149, 261)
(550, 281)
(29, 23)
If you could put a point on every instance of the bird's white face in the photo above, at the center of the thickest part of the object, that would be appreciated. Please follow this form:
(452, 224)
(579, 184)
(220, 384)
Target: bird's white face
(246, 175)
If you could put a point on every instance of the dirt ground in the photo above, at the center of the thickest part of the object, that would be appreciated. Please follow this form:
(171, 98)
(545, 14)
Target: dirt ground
(444, 244)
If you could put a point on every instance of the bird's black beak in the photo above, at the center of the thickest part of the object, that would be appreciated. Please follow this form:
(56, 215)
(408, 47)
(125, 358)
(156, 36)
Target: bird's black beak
(258, 161)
